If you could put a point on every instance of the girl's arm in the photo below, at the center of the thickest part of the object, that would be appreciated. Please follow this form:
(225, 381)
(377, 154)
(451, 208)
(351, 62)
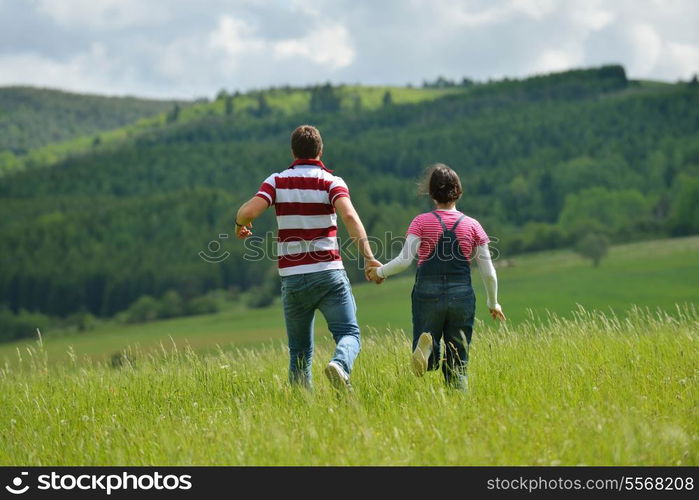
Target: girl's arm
(404, 259)
(490, 280)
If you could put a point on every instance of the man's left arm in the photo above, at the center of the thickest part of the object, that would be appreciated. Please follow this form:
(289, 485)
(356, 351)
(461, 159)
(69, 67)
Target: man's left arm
(357, 233)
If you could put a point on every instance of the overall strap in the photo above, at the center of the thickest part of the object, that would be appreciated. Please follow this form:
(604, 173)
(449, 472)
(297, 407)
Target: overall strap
(444, 227)
(457, 222)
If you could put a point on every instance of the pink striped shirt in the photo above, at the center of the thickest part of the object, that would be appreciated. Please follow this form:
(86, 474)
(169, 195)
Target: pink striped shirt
(425, 226)
(303, 197)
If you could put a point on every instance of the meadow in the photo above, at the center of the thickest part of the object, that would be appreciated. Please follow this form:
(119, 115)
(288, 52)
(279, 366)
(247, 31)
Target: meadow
(557, 384)
(592, 390)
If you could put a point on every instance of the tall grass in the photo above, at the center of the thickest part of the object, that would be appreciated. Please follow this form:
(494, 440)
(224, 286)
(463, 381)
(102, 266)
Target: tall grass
(592, 389)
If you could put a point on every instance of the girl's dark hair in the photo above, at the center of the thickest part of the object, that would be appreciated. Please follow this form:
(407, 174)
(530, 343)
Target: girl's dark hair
(442, 184)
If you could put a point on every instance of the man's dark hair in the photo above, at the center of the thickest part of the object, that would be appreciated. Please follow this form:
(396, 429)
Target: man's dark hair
(442, 184)
(306, 142)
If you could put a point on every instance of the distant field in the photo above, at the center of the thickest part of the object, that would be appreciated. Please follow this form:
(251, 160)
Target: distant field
(654, 275)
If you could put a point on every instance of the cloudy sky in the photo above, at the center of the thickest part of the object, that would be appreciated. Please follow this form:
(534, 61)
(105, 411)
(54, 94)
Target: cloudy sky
(186, 48)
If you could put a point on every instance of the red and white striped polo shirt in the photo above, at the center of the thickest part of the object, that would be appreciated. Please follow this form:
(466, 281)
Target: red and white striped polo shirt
(303, 196)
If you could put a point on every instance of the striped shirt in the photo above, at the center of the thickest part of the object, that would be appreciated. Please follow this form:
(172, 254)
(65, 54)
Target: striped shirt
(303, 197)
(425, 226)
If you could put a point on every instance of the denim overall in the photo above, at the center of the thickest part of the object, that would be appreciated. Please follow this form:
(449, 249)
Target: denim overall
(444, 305)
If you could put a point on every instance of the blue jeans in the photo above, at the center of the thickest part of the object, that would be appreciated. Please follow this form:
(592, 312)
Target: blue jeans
(446, 310)
(329, 291)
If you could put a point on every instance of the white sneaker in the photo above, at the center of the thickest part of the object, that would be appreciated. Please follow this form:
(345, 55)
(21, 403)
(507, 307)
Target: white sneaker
(337, 376)
(421, 354)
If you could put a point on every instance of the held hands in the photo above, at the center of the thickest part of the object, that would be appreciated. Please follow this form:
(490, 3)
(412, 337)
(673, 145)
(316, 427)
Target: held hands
(373, 275)
(370, 271)
(496, 313)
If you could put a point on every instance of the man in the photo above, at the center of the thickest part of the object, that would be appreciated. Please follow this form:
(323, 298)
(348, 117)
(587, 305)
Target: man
(306, 197)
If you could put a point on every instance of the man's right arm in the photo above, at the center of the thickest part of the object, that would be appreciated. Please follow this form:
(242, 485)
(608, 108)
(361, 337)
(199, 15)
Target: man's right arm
(253, 208)
(248, 212)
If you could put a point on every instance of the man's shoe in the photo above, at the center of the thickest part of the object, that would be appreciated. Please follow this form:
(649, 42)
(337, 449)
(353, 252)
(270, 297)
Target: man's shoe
(421, 354)
(338, 377)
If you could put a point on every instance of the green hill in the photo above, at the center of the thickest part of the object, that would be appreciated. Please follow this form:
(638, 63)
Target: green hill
(34, 117)
(123, 125)
(544, 161)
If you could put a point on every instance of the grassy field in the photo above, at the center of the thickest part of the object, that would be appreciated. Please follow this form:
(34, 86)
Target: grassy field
(655, 274)
(590, 390)
(586, 388)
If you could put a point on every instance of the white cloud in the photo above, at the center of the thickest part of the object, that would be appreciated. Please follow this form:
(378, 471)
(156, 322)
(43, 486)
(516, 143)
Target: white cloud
(103, 14)
(235, 37)
(535, 9)
(556, 60)
(306, 7)
(456, 13)
(591, 16)
(330, 46)
(682, 59)
(183, 48)
(677, 61)
(461, 13)
(647, 46)
(88, 71)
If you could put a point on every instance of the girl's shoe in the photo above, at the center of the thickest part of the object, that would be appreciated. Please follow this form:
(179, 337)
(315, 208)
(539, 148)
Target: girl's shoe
(422, 353)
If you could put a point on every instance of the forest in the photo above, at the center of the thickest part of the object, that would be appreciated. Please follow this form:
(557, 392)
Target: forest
(544, 161)
(31, 117)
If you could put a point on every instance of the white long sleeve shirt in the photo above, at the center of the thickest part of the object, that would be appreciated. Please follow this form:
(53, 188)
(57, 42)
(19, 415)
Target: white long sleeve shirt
(481, 255)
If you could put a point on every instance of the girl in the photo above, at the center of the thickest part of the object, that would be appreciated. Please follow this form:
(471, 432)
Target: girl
(445, 241)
